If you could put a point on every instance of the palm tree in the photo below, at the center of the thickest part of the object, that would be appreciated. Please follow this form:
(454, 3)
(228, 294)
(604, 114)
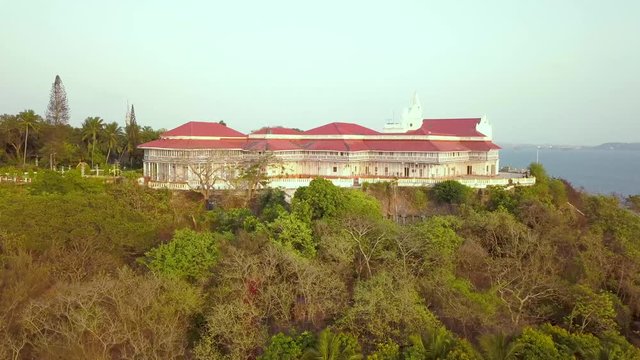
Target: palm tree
(498, 347)
(28, 119)
(607, 352)
(332, 346)
(112, 134)
(432, 345)
(91, 128)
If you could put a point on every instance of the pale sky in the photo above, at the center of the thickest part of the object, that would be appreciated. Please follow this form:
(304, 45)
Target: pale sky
(543, 71)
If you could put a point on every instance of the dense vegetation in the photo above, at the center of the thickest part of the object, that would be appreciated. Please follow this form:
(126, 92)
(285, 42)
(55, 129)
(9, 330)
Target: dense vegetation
(108, 271)
(27, 139)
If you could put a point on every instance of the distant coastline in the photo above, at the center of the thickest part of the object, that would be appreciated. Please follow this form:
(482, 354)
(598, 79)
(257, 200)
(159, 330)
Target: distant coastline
(603, 169)
(618, 146)
(635, 146)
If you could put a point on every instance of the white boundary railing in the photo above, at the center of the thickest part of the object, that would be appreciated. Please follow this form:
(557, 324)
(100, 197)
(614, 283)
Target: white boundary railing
(294, 183)
(168, 185)
(17, 177)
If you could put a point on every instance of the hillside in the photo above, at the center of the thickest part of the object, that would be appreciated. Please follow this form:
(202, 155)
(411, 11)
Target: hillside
(618, 146)
(111, 271)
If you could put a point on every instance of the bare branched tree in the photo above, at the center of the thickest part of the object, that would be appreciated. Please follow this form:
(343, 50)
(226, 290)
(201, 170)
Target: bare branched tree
(215, 169)
(525, 275)
(368, 236)
(254, 171)
(410, 247)
(222, 169)
(124, 316)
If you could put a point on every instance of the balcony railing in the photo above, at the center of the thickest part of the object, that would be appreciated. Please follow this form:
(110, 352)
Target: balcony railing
(330, 158)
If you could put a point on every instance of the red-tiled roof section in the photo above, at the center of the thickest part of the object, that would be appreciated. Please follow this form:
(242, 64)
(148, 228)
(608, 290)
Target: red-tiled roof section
(189, 144)
(481, 145)
(233, 140)
(335, 145)
(277, 130)
(323, 145)
(340, 128)
(455, 127)
(429, 146)
(202, 129)
(395, 145)
(398, 145)
(272, 145)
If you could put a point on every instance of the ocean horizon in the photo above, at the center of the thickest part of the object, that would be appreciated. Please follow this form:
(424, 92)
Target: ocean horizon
(595, 171)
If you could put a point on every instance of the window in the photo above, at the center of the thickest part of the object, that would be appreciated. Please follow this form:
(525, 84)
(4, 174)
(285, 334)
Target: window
(386, 171)
(335, 169)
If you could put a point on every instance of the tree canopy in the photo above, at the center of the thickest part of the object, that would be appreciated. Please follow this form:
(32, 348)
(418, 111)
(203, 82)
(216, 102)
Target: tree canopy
(90, 269)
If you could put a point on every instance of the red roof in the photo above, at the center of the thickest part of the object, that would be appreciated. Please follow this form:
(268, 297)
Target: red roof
(278, 130)
(200, 128)
(323, 145)
(455, 127)
(271, 144)
(398, 145)
(481, 145)
(428, 146)
(340, 128)
(193, 144)
(336, 145)
(232, 139)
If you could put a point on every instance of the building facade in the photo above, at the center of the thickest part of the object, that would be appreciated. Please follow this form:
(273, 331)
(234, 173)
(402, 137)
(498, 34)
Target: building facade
(412, 151)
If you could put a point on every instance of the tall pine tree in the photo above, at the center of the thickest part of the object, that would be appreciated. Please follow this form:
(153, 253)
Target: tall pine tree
(58, 109)
(133, 136)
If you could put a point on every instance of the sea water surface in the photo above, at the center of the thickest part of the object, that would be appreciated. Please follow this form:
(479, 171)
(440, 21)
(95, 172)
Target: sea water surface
(597, 171)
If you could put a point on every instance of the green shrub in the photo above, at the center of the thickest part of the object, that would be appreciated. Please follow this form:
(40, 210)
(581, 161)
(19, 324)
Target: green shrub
(53, 182)
(189, 255)
(293, 233)
(318, 200)
(285, 347)
(451, 192)
(230, 220)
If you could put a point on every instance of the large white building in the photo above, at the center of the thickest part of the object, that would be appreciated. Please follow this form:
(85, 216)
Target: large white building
(413, 151)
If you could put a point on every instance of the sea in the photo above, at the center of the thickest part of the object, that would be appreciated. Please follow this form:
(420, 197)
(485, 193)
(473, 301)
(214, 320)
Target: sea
(593, 170)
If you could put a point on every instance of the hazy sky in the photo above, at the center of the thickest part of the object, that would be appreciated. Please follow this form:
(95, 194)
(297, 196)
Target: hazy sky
(554, 71)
